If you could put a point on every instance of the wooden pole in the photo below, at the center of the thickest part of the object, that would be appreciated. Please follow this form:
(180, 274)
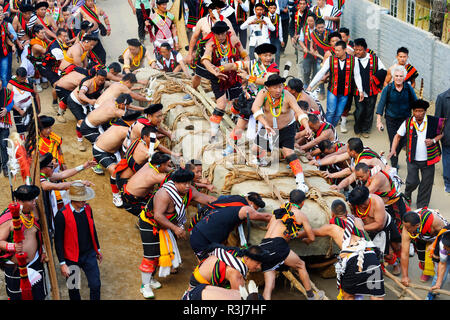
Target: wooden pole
(43, 217)
(395, 279)
(422, 287)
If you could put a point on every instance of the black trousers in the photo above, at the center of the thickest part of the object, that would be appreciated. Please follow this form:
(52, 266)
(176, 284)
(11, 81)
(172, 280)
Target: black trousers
(285, 26)
(88, 263)
(392, 125)
(425, 183)
(363, 114)
(242, 36)
(141, 22)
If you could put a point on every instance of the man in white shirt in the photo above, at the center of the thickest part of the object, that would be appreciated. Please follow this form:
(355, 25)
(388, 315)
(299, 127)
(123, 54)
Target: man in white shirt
(423, 133)
(169, 60)
(339, 87)
(259, 26)
(369, 75)
(329, 13)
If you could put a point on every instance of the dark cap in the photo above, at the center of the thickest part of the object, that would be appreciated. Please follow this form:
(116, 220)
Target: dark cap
(46, 121)
(85, 25)
(40, 5)
(90, 37)
(124, 98)
(153, 108)
(220, 27)
(45, 160)
(134, 42)
(266, 48)
(26, 192)
(273, 80)
(216, 4)
(26, 8)
(420, 104)
(131, 115)
(161, 1)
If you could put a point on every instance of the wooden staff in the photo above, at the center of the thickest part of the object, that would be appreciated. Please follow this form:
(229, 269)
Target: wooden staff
(42, 216)
(406, 289)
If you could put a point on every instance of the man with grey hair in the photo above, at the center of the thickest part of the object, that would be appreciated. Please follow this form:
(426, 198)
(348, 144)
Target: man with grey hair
(394, 103)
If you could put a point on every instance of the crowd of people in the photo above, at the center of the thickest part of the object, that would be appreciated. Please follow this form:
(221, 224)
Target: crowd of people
(237, 46)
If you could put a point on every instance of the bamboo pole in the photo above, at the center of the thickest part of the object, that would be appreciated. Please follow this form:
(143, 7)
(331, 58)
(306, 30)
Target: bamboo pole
(422, 287)
(407, 290)
(43, 218)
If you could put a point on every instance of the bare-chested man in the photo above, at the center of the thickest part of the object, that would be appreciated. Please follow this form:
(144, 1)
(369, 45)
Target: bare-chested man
(25, 195)
(45, 20)
(201, 36)
(353, 273)
(106, 150)
(356, 153)
(77, 54)
(83, 98)
(209, 282)
(134, 56)
(223, 49)
(285, 225)
(322, 130)
(136, 156)
(381, 184)
(92, 13)
(165, 213)
(121, 87)
(153, 118)
(277, 110)
(139, 188)
(377, 222)
(70, 79)
(96, 122)
(420, 227)
(38, 45)
(23, 26)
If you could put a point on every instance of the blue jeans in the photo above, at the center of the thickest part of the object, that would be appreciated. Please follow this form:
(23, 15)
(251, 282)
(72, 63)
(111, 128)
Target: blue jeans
(5, 69)
(446, 166)
(436, 274)
(4, 134)
(88, 263)
(335, 107)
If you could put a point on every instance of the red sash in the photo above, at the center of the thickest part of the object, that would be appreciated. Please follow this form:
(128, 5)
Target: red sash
(319, 42)
(22, 86)
(91, 13)
(3, 35)
(43, 23)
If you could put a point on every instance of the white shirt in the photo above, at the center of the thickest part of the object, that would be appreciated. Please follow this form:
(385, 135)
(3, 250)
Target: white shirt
(255, 29)
(178, 59)
(357, 71)
(325, 67)
(421, 147)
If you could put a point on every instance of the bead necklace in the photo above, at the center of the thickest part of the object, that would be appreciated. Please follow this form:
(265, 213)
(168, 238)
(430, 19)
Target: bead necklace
(364, 214)
(274, 107)
(28, 223)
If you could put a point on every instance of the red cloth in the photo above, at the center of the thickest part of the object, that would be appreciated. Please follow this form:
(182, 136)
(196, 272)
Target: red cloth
(71, 248)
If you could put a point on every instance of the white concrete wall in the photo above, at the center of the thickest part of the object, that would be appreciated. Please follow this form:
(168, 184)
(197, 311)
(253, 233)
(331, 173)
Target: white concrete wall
(385, 34)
